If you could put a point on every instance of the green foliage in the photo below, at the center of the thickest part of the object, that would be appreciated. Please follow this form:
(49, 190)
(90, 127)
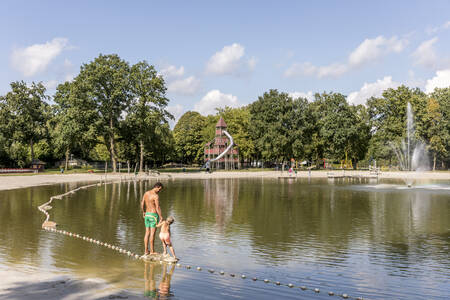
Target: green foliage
(24, 115)
(107, 82)
(277, 126)
(189, 140)
(75, 121)
(388, 119)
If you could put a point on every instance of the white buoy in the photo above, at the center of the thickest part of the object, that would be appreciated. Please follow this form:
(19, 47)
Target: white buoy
(254, 278)
(129, 253)
(290, 285)
(303, 287)
(178, 265)
(345, 296)
(316, 290)
(266, 280)
(199, 269)
(330, 293)
(243, 276)
(136, 256)
(222, 272)
(277, 283)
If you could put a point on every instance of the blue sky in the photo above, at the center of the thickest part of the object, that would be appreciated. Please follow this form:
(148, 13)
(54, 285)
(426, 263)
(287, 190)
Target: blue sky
(215, 53)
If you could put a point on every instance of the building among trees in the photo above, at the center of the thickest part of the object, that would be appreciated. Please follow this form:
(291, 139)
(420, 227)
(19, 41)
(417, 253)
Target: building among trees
(219, 144)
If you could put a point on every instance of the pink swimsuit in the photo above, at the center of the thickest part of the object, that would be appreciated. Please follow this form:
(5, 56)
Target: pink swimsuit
(165, 236)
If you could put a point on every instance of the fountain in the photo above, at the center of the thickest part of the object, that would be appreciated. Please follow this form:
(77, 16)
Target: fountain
(411, 153)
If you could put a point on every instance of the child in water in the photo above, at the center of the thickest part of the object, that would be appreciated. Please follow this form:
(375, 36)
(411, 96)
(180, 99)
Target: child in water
(164, 235)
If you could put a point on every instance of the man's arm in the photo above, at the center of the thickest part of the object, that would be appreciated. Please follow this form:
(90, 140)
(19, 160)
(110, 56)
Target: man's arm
(158, 208)
(143, 205)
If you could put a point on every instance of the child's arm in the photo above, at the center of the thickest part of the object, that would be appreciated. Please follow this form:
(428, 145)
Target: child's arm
(160, 224)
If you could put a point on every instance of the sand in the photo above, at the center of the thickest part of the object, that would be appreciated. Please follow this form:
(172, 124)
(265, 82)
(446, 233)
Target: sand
(43, 284)
(17, 181)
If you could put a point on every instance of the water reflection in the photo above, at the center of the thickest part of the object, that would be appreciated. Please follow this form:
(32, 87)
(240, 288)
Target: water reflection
(151, 272)
(333, 235)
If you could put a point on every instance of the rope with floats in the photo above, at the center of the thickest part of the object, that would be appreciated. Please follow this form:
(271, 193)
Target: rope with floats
(49, 226)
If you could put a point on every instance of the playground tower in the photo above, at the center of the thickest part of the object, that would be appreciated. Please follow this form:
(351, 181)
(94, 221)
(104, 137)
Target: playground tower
(230, 160)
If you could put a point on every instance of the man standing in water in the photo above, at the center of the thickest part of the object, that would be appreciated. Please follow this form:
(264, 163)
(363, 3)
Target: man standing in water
(152, 215)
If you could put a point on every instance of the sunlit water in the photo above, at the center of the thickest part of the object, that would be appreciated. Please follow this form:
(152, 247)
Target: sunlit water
(378, 241)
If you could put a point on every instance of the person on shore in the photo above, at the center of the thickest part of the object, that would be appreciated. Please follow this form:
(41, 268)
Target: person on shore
(152, 215)
(164, 235)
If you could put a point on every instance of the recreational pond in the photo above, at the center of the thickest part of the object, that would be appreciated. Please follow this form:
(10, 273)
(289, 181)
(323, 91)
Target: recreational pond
(375, 240)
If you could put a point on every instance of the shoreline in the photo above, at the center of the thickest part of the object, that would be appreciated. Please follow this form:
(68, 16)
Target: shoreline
(43, 284)
(19, 181)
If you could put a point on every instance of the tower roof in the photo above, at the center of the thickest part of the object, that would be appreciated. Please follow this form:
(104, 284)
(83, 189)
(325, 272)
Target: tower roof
(221, 123)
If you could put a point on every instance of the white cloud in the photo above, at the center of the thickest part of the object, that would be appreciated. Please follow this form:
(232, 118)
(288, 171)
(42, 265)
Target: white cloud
(229, 61)
(215, 99)
(186, 86)
(309, 95)
(371, 49)
(172, 72)
(374, 89)
(368, 51)
(177, 111)
(35, 58)
(425, 54)
(51, 84)
(433, 30)
(441, 80)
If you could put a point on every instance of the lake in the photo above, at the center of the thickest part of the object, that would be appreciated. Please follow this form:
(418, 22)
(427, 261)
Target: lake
(375, 240)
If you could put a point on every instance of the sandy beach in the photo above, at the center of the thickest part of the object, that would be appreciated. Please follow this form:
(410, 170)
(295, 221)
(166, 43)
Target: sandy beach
(42, 284)
(18, 181)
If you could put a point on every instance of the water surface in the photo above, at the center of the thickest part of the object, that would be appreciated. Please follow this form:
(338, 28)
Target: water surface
(375, 240)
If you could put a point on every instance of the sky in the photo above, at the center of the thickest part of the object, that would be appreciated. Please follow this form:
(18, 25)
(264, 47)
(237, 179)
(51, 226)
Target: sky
(217, 53)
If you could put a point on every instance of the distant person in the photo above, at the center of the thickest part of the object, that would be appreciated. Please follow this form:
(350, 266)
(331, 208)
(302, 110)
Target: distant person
(152, 216)
(164, 235)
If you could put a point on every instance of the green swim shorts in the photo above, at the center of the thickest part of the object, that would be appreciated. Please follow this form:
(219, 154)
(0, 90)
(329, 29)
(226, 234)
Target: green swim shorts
(151, 220)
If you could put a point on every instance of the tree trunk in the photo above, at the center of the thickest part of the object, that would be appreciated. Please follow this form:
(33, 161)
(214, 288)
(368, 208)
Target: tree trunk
(141, 162)
(434, 161)
(112, 144)
(67, 158)
(32, 150)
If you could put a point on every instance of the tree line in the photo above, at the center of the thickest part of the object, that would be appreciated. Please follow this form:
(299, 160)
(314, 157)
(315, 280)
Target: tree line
(277, 128)
(115, 111)
(111, 111)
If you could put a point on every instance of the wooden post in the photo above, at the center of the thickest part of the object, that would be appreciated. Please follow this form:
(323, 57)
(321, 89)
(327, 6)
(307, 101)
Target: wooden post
(106, 169)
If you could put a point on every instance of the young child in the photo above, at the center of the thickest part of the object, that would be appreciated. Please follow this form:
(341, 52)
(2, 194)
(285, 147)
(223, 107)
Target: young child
(164, 235)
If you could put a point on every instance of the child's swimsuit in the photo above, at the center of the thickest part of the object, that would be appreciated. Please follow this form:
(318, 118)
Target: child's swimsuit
(165, 236)
(151, 220)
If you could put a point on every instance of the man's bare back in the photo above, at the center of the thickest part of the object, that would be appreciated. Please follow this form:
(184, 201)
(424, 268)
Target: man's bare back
(150, 197)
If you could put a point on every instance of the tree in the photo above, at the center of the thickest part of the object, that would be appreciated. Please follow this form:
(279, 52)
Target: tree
(274, 121)
(75, 120)
(437, 122)
(26, 113)
(107, 82)
(189, 141)
(147, 111)
(387, 116)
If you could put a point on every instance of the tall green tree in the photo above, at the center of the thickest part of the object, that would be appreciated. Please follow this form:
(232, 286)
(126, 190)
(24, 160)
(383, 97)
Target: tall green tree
(107, 80)
(438, 125)
(147, 111)
(275, 121)
(388, 119)
(75, 121)
(189, 140)
(26, 113)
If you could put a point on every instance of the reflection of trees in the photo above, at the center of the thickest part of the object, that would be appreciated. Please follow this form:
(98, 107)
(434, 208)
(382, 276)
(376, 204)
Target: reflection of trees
(219, 197)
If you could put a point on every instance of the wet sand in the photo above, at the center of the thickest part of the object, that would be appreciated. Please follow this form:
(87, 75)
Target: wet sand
(17, 181)
(41, 284)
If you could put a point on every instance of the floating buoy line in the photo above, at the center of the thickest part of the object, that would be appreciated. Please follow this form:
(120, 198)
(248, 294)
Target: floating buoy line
(49, 226)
